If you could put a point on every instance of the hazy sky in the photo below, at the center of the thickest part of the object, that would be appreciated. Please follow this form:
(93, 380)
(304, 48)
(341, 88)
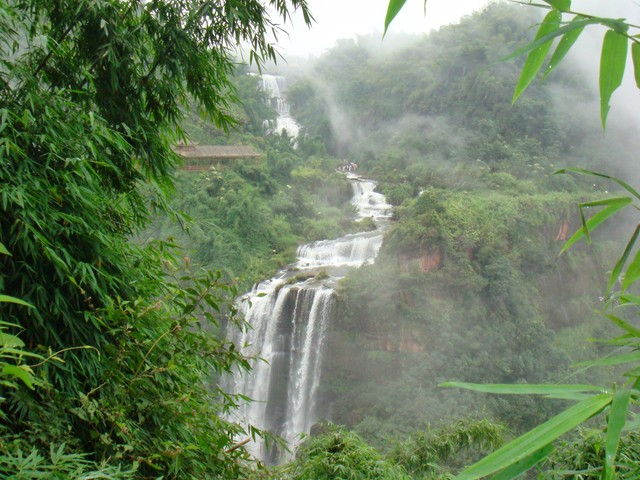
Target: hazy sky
(337, 19)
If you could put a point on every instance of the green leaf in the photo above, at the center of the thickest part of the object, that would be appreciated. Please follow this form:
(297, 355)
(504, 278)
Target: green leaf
(626, 340)
(3, 250)
(9, 341)
(525, 464)
(616, 24)
(632, 274)
(627, 298)
(617, 419)
(634, 372)
(582, 171)
(536, 439)
(8, 299)
(624, 325)
(608, 201)
(617, 269)
(525, 389)
(392, 10)
(565, 44)
(612, 62)
(581, 23)
(536, 57)
(10, 352)
(635, 55)
(613, 205)
(20, 372)
(614, 360)
(562, 5)
(576, 397)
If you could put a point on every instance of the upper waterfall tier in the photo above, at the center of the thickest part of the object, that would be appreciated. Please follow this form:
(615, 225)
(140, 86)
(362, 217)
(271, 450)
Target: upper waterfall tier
(355, 249)
(369, 203)
(274, 87)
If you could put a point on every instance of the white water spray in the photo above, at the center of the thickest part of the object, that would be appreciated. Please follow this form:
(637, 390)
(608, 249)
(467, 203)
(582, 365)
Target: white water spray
(275, 86)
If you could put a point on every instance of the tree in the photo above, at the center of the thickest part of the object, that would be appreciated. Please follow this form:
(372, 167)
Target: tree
(92, 93)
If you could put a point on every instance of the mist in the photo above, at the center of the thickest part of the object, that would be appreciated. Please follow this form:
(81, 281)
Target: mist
(468, 285)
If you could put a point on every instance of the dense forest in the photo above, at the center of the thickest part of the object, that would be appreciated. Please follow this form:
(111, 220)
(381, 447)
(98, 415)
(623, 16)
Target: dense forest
(468, 285)
(122, 276)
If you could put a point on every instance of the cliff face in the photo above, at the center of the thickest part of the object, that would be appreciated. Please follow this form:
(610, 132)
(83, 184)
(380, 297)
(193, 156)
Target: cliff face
(425, 262)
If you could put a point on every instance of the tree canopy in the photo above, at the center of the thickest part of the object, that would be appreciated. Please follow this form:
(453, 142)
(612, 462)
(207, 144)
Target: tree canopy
(92, 93)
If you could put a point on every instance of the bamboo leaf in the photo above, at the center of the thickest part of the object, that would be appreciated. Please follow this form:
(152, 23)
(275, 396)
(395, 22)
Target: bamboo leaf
(617, 419)
(8, 299)
(565, 44)
(10, 352)
(583, 171)
(635, 372)
(525, 389)
(633, 272)
(9, 341)
(392, 10)
(562, 5)
(525, 464)
(617, 269)
(626, 340)
(618, 25)
(615, 360)
(607, 201)
(581, 23)
(624, 325)
(536, 57)
(577, 397)
(3, 250)
(612, 62)
(536, 439)
(19, 372)
(635, 55)
(613, 205)
(627, 298)
(8, 324)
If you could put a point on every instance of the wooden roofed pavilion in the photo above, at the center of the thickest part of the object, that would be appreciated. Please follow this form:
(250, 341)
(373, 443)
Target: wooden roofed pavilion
(201, 157)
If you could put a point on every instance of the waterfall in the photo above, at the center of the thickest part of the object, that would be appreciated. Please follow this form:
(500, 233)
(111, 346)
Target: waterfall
(274, 86)
(288, 322)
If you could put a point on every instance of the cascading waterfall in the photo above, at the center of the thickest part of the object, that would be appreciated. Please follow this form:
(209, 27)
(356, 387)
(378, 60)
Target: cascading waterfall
(274, 86)
(288, 328)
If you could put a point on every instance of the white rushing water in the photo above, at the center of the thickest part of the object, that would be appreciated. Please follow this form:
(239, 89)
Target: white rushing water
(288, 328)
(275, 86)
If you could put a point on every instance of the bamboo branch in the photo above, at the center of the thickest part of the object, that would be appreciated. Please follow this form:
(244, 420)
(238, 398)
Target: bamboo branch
(238, 445)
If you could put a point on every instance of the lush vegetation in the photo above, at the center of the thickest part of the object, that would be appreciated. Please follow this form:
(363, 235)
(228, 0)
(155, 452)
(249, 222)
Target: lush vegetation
(110, 371)
(110, 331)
